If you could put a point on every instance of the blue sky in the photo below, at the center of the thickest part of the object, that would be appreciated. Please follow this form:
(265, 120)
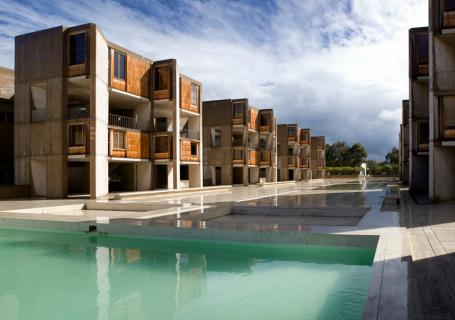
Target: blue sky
(337, 66)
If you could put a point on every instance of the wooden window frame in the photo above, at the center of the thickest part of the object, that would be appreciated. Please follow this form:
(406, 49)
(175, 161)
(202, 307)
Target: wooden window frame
(197, 100)
(116, 139)
(118, 53)
(71, 135)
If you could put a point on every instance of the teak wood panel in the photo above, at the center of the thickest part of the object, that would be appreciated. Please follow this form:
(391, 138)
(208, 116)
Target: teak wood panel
(137, 145)
(163, 147)
(253, 157)
(185, 96)
(137, 76)
(449, 19)
(254, 119)
(164, 72)
(185, 151)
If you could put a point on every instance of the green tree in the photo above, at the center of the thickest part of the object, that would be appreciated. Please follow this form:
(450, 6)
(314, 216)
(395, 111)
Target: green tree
(357, 154)
(393, 157)
(336, 154)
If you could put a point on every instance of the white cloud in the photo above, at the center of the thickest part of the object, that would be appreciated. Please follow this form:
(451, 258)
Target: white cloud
(339, 67)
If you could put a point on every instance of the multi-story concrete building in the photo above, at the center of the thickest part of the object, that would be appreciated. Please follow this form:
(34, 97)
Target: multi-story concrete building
(318, 157)
(93, 117)
(305, 154)
(239, 143)
(404, 143)
(442, 100)
(289, 152)
(418, 111)
(6, 126)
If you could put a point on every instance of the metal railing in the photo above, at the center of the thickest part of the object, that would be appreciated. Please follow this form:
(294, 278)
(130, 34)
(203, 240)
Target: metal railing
(122, 121)
(188, 134)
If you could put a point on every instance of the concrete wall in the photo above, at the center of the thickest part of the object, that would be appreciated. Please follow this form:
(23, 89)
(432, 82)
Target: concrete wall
(39, 61)
(99, 109)
(442, 82)
(218, 114)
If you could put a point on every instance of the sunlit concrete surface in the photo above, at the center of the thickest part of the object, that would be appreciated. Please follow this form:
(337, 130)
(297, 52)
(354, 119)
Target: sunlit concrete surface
(414, 258)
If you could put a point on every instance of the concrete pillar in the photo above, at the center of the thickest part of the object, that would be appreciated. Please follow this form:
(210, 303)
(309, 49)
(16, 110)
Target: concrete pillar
(144, 176)
(99, 110)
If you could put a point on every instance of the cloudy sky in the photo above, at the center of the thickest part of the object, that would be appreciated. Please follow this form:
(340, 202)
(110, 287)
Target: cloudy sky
(337, 66)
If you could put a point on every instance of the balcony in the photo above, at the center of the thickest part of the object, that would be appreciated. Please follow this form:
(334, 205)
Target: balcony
(305, 151)
(266, 121)
(78, 142)
(122, 122)
(304, 136)
(129, 144)
(189, 151)
(304, 163)
(238, 155)
(163, 145)
(265, 158)
(253, 157)
(292, 161)
(292, 133)
(191, 135)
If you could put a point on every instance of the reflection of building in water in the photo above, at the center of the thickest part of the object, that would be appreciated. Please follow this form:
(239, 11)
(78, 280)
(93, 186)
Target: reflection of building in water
(191, 278)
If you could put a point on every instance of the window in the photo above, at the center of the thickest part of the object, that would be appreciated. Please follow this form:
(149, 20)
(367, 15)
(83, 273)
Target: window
(238, 110)
(237, 140)
(194, 94)
(423, 133)
(77, 135)
(161, 125)
(193, 148)
(162, 78)
(290, 151)
(184, 172)
(216, 138)
(262, 173)
(119, 65)
(291, 131)
(118, 139)
(422, 48)
(449, 5)
(262, 144)
(77, 48)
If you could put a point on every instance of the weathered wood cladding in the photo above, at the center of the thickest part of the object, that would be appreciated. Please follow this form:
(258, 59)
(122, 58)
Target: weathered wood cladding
(305, 136)
(253, 119)
(186, 101)
(137, 75)
(185, 151)
(253, 157)
(136, 145)
(163, 73)
(163, 146)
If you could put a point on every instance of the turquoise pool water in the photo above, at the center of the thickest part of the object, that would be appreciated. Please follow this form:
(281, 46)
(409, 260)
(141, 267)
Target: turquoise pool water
(46, 275)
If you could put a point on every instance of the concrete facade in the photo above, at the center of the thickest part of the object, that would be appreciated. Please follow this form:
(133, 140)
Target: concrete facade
(239, 143)
(418, 112)
(89, 114)
(318, 157)
(300, 156)
(442, 101)
(404, 143)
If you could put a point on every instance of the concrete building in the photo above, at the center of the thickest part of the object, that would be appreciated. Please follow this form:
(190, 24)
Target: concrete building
(418, 112)
(404, 143)
(442, 101)
(318, 157)
(93, 117)
(239, 143)
(305, 154)
(6, 126)
(293, 153)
